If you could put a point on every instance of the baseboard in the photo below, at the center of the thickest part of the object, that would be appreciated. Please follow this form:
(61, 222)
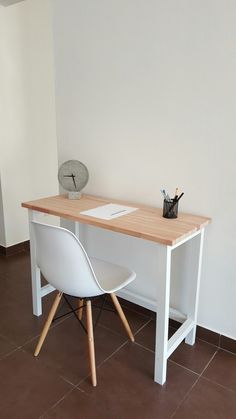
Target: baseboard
(221, 341)
(16, 248)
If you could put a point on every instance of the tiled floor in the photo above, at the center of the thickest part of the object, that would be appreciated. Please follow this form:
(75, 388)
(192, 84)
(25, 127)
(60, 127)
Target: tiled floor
(201, 381)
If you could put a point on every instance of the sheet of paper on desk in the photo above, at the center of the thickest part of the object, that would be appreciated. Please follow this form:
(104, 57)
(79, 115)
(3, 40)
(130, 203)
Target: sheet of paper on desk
(109, 211)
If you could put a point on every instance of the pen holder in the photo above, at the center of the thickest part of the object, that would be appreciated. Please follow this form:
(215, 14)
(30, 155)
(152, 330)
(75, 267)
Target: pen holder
(170, 209)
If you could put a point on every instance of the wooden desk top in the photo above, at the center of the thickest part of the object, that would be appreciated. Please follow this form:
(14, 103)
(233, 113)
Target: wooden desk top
(146, 223)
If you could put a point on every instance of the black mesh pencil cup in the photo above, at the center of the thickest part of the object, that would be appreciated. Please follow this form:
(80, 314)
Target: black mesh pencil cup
(170, 208)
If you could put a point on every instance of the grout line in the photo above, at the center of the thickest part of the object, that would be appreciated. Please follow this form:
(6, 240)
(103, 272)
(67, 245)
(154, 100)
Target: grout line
(31, 339)
(144, 347)
(194, 384)
(118, 333)
(57, 402)
(142, 327)
(212, 381)
(82, 391)
(82, 381)
(8, 354)
(226, 350)
(209, 343)
(8, 340)
(113, 353)
(218, 384)
(102, 362)
(185, 397)
(182, 366)
(103, 326)
(67, 381)
(37, 336)
(206, 366)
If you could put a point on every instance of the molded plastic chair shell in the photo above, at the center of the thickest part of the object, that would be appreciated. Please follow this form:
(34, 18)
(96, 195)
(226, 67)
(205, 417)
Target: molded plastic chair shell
(65, 264)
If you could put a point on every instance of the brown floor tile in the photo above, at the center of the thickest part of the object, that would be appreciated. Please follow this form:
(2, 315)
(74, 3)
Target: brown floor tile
(27, 388)
(127, 390)
(17, 322)
(15, 276)
(15, 279)
(194, 357)
(208, 401)
(222, 370)
(15, 263)
(31, 387)
(79, 405)
(66, 350)
(112, 321)
(146, 336)
(5, 346)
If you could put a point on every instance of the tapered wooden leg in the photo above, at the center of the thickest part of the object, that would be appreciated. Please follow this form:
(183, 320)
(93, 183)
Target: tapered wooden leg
(80, 309)
(122, 316)
(48, 323)
(91, 342)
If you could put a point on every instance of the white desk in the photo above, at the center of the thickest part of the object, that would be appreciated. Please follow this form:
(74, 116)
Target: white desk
(146, 223)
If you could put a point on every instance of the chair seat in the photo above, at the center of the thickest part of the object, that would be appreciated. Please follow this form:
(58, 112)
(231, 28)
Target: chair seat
(111, 277)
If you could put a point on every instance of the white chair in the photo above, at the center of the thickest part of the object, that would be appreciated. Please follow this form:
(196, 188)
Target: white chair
(66, 266)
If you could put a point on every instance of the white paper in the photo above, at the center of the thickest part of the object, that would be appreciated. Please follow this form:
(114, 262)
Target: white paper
(109, 211)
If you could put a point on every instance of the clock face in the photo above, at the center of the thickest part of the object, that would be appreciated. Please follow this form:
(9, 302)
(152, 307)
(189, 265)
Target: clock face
(73, 175)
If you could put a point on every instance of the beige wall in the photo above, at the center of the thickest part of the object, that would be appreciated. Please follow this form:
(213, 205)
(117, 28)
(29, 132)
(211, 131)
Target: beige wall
(28, 135)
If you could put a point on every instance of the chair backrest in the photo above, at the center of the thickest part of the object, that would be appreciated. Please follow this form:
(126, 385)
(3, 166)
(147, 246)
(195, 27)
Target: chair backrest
(64, 262)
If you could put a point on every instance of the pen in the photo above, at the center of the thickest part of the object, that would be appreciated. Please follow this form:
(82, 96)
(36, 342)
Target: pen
(180, 196)
(175, 202)
(176, 194)
(118, 212)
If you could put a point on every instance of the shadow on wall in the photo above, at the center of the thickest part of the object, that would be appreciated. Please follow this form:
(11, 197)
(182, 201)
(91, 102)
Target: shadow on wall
(9, 2)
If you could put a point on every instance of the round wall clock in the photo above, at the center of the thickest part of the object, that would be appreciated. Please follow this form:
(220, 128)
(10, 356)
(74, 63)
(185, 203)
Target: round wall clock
(73, 176)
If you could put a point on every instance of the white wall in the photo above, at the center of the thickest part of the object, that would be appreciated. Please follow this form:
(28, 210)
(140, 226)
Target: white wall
(146, 97)
(2, 229)
(28, 133)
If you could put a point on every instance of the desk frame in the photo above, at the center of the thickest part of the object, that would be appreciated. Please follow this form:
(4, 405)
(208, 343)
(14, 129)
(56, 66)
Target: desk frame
(187, 331)
(163, 346)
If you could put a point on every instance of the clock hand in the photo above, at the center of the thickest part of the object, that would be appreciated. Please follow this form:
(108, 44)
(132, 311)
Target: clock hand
(73, 177)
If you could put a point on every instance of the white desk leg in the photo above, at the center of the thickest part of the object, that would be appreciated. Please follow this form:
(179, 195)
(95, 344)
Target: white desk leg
(35, 271)
(162, 321)
(194, 297)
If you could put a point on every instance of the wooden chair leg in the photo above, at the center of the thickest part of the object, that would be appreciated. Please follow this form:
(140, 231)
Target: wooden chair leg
(91, 342)
(122, 316)
(80, 309)
(48, 323)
